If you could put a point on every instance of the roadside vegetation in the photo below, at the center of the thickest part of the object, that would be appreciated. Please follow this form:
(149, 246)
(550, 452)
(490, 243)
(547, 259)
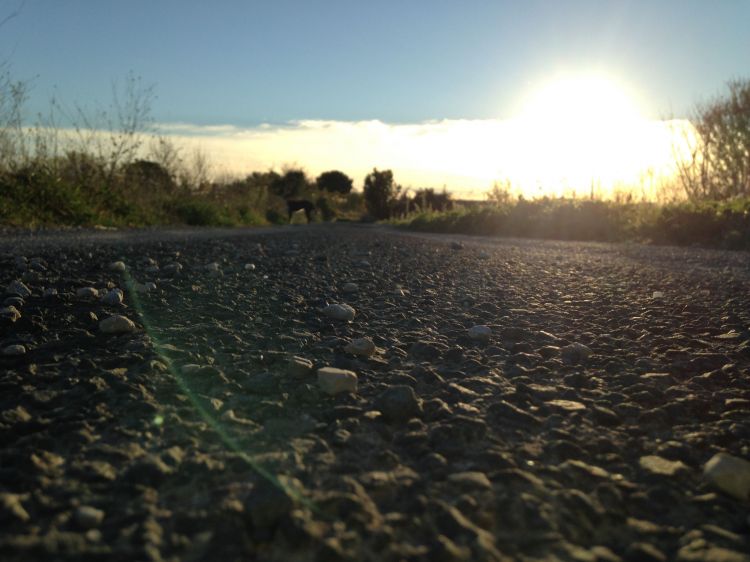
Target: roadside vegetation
(110, 167)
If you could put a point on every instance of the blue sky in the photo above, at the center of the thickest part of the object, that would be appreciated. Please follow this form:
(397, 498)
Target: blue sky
(429, 88)
(244, 63)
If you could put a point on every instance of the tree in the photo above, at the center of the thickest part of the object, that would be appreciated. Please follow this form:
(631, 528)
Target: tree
(292, 184)
(380, 191)
(714, 161)
(334, 182)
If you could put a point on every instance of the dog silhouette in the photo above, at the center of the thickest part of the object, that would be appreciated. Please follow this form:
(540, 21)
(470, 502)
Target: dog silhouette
(294, 205)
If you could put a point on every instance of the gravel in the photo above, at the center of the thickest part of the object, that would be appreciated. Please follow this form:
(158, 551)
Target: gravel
(525, 400)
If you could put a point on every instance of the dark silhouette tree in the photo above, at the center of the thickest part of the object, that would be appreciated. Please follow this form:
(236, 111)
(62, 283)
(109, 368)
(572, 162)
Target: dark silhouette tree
(334, 182)
(380, 191)
(718, 166)
(292, 184)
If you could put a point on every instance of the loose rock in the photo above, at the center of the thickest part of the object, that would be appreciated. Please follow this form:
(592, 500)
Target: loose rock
(88, 517)
(480, 332)
(18, 288)
(118, 267)
(10, 313)
(360, 346)
(661, 466)
(87, 293)
(350, 288)
(113, 297)
(117, 324)
(730, 474)
(299, 367)
(336, 381)
(399, 403)
(15, 349)
(339, 312)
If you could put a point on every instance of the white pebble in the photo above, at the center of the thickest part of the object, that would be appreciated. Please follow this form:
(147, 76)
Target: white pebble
(336, 381)
(249, 267)
(117, 324)
(118, 266)
(657, 295)
(339, 311)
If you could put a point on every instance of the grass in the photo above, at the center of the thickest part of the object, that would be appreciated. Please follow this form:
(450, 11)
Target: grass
(710, 224)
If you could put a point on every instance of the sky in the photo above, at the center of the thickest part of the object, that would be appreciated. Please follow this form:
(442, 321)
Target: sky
(244, 76)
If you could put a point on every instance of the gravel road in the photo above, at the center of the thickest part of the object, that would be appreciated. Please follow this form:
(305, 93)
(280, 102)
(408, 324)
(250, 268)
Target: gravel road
(490, 399)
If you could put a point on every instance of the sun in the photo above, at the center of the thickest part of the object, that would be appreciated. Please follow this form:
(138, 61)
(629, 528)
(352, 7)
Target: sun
(583, 101)
(578, 132)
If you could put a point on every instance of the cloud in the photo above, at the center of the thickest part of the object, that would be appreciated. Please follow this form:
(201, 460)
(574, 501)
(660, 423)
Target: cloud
(466, 156)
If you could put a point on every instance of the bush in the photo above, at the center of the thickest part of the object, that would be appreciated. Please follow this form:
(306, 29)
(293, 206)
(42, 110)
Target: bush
(195, 212)
(380, 191)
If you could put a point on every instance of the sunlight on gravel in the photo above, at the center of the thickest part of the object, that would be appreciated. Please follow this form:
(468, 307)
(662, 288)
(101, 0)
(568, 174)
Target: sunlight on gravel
(343, 393)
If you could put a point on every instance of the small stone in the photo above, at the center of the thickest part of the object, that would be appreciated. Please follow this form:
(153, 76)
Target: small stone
(144, 287)
(350, 288)
(10, 313)
(399, 403)
(173, 268)
(661, 466)
(213, 268)
(483, 255)
(249, 267)
(88, 517)
(12, 508)
(657, 295)
(575, 353)
(730, 474)
(471, 479)
(398, 292)
(480, 332)
(13, 301)
(117, 324)
(18, 288)
(339, 311)
(456, 245)
(113, 297)
(360, 346)
(15, 349)
(299, 367)
(87, 293)
(118, 267)
(566, 405)
(336, 381)
(49, 292)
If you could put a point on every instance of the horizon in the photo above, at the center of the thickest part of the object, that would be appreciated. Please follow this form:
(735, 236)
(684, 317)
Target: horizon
(401, 87)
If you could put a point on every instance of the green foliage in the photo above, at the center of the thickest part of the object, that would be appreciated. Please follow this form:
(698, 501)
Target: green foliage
(275, 217)
(198, 213)
(334, 182)
(724, 224)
